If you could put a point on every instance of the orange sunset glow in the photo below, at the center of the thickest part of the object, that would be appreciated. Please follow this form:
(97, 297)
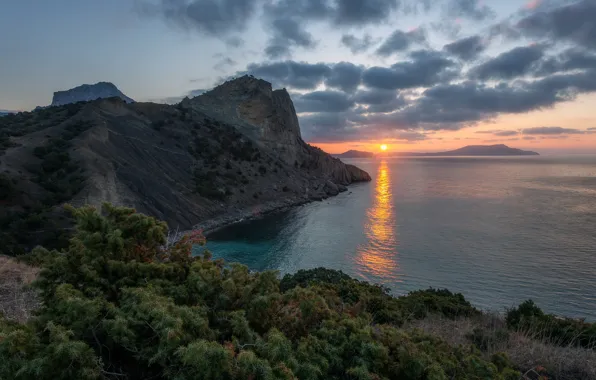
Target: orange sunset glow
(577, 115)
(377, 258)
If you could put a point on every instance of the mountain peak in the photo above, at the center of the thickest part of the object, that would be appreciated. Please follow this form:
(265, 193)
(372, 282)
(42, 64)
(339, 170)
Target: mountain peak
(244, 85)
(87, 92)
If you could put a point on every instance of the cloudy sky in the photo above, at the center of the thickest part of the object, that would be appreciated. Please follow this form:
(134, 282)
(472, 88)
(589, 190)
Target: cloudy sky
(418, 75)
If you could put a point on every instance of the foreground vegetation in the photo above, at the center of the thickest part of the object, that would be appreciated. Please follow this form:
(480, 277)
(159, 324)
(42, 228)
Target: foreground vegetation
(123, 303)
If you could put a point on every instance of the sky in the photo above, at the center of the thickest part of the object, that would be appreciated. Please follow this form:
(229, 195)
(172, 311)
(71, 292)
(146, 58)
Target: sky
(416, 75)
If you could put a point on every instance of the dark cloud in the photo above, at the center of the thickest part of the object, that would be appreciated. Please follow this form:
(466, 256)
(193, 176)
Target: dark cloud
(408, 135)
(344, 126)
(357, 45)
(375, 97)
(296, 15)
(299, 10)
(470, 9)
(467, 48)
(500, 140)
(500, 132)
(299, 75)
(327, 127)
(275, 51)
(591, 129)
(447, 27)
(361, 12)
(399, 41)
(378, 101)
(381, 110)
(286, 33)
(322, 101)
(529, 138)
(216, 18)
(424, 68)
(513, 63)
(555, 137)
(574, 22)
(453, 106)
(235, 42)
(504, 29)
(506, 133)
(224, 63)
(551, 131)
(570, 59)
(336, 12)
(345, 76)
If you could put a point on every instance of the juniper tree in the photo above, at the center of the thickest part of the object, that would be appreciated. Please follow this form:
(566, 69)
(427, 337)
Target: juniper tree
(120, 303)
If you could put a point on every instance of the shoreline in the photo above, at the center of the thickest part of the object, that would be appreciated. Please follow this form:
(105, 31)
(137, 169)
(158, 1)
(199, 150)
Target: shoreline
(253, 213)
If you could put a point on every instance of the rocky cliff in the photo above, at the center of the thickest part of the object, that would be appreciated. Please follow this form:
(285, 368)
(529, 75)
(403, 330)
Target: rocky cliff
(229, 154)
(88, 92)
(268, 116)
(251, 105)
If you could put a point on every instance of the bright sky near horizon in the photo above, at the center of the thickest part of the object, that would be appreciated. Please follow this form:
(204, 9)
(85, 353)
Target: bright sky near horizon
(417, 75)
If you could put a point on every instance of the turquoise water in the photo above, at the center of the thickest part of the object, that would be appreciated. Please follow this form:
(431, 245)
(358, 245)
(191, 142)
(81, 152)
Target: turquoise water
(499, 230)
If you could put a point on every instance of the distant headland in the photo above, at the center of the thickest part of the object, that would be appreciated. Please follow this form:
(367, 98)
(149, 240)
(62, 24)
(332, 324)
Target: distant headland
(469, 150)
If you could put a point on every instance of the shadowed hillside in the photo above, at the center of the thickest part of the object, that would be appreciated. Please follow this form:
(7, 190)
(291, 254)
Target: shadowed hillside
(184, 164)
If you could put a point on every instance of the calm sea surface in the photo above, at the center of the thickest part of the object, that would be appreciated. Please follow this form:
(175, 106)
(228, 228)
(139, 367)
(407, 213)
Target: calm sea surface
(499, 230)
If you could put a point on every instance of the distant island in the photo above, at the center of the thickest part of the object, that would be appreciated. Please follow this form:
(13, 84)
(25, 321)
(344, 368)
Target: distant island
(469, 150)
(355, 154)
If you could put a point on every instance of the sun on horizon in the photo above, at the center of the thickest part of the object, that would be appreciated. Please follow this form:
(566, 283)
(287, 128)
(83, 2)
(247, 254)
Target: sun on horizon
(383, 147)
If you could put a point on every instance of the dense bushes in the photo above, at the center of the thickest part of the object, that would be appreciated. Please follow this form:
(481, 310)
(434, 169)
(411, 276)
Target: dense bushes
(22, 123)
(119, 305)
(531, 319)
(29, 217)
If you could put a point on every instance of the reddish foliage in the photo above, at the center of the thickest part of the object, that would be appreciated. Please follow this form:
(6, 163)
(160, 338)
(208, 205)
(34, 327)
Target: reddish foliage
(182, 250)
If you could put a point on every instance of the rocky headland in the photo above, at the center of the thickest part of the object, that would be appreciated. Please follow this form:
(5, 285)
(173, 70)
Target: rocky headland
(226, 155)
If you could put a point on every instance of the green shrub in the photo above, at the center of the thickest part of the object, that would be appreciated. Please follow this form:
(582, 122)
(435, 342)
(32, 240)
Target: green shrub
(117, 304)
(487, 339)
(528, 317)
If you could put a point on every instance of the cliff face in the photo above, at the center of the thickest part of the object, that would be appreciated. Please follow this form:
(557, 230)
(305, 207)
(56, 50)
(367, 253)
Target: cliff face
(231, 153)
(270, 118)
(266, 116)
(88, 92)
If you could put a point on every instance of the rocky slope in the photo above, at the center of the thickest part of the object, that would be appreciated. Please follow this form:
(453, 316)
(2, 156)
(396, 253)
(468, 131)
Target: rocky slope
(88, 92)
(228, 154)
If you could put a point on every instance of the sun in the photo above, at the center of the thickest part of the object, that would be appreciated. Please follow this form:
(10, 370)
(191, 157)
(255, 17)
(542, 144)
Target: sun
(383, 147)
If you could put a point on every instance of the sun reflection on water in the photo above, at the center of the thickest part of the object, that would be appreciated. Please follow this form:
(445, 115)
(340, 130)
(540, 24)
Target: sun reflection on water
(378, 256)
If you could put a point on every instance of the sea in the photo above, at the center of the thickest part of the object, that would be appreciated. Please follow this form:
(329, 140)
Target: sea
(500, 230)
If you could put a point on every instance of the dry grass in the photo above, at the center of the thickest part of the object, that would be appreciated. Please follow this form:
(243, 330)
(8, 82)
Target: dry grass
(17, 299)
(526, 352)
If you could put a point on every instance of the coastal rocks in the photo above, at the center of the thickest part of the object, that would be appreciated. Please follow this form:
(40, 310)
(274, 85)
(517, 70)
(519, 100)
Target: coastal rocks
(356, 174)
(330, 188)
